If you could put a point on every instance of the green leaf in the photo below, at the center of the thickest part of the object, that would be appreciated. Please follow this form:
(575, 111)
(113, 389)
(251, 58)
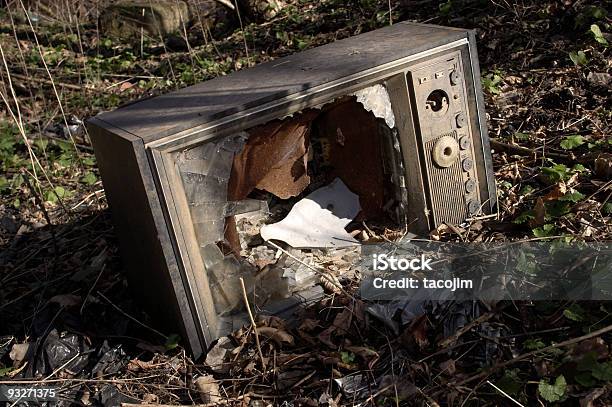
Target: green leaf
(4, 184)
(603, 371)
(347, 357)
(552, 392)
(587, 363)
(585, 379)
(556, 173)
(572, 197)
(607, 208)
(50, 197)
(526, 190)
(510, 382)
(89, 161)
(89, 178)
(446, 8)
(571, 142)
(598, 35)
(60, 191)
(521, 136)
(490, 82)
(57, 193)
(545, 230)
(557, 209)
(534, 344)
(526, 264)
(7, 144)
(578, 58)
(6, 370)
(578, 168)
(41, 143)
(524, 217)
(172, 342)
(574, 313)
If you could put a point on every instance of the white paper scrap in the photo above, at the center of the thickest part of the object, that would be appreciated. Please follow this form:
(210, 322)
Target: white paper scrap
(318, 220)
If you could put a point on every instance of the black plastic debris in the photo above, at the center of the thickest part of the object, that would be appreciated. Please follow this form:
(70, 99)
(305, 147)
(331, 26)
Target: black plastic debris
(110, 360)
(353, 386)
(66, 351)
(110, 396)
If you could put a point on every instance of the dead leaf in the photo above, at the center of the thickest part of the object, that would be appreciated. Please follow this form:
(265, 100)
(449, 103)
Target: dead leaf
(595, 346)
(250, 367)
(448, 367)
(600, 78)
(439, 232)
(136, 365)
(389, 385)
(325, 337)
(342, 323)
(125, 86)
(208, 388)
(593, 395)
(603, 166)
(557, 192)
(150, 398)
(216, 357)
(539, 213)
(415, 335)
(18, 353)
(331, 283)
(309, 324)
(368, 355)
(66, 300)
(271, 321)
(343, 320)
(277, 335)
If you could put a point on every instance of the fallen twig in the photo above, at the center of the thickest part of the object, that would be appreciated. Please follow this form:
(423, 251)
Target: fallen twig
(449, 341)
(248, 307)
(524, 356)
(505, 394)
(518, 150)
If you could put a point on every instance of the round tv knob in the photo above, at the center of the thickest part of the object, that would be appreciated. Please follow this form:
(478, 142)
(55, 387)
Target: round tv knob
(473, 207)
(467, 164)
(454, 77)
(470, 186)
(464, 142)
(460, 120)
(445, 151)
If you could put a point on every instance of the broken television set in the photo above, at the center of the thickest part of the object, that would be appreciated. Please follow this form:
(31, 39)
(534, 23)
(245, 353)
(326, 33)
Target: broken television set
(261, 174)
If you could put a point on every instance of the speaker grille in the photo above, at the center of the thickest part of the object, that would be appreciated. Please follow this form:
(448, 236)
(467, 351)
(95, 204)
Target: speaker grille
(447, 199)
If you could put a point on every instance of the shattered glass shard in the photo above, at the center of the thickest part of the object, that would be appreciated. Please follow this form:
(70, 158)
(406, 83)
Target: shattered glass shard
(375, 99)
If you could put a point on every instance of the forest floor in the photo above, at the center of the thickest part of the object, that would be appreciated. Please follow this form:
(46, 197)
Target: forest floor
(546, 72)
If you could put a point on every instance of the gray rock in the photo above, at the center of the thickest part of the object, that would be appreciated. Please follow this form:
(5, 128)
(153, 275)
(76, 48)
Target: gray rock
(154, 18)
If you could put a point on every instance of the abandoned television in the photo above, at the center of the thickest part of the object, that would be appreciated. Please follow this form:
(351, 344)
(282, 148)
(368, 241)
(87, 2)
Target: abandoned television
(385, 126)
